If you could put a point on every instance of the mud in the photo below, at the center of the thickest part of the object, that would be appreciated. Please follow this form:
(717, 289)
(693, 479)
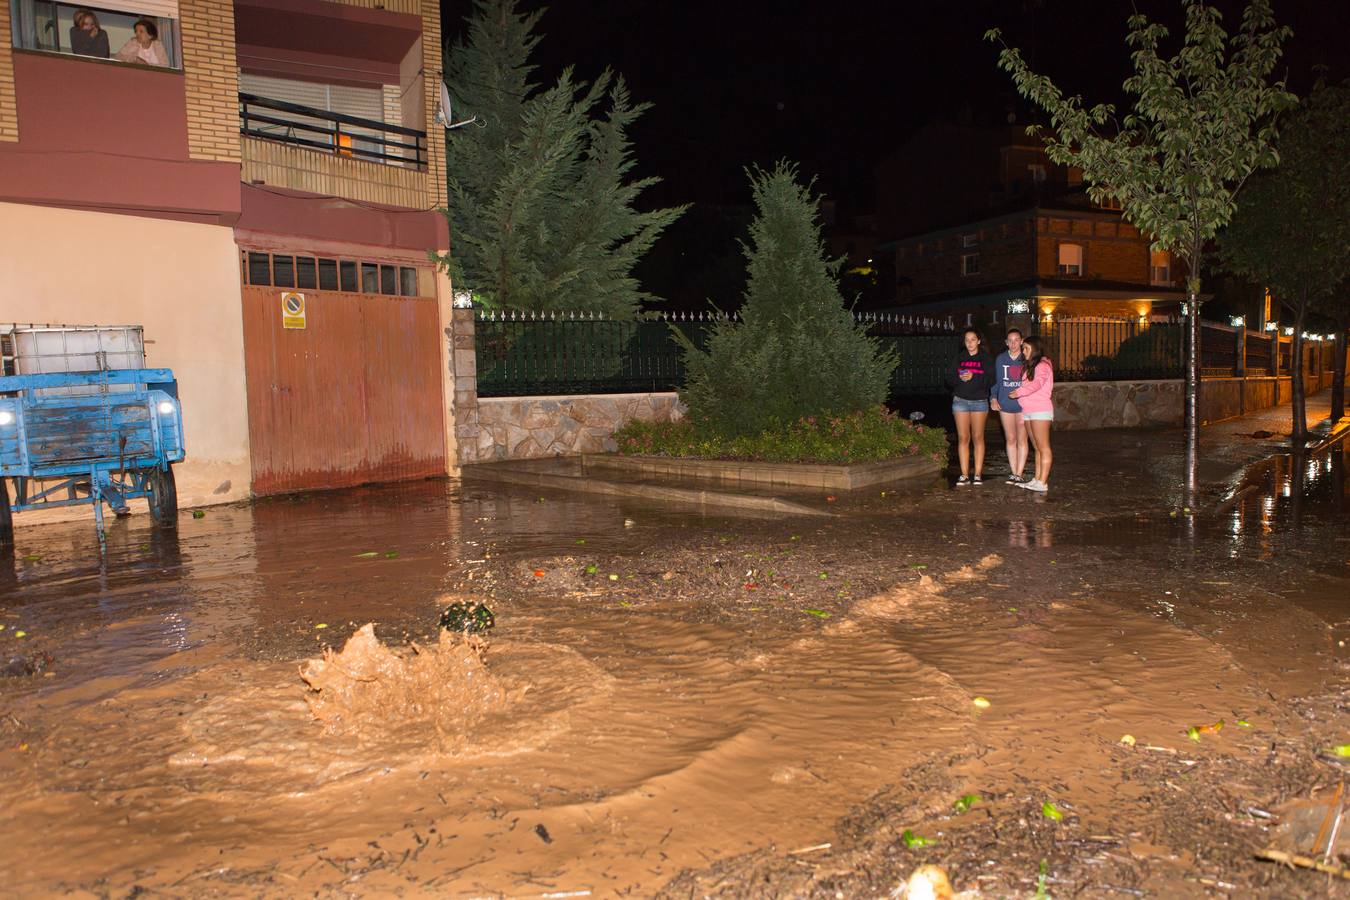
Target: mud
(689, 705)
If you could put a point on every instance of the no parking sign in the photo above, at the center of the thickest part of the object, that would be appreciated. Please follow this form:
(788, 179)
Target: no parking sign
(292, 310)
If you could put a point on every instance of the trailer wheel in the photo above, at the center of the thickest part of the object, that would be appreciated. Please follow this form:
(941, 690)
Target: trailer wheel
(163, 497)
(6, 516)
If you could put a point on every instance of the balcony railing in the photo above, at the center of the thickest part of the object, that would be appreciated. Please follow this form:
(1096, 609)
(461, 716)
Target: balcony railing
(330, 132)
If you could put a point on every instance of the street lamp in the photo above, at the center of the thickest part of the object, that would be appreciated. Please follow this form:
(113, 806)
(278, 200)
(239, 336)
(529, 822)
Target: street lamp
(1272, 326)
(1237, 321)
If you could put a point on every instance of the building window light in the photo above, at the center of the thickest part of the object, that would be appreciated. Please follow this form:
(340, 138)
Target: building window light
(1288, 331)
(1272, 326)
(1237, 322)
(1019, 307)
(1070, 259)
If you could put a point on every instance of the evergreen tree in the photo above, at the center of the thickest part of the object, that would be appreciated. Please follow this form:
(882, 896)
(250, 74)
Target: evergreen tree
(797, 350)
(540, 202)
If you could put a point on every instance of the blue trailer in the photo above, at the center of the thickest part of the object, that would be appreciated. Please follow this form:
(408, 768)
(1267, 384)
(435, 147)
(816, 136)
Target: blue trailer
(89, 438)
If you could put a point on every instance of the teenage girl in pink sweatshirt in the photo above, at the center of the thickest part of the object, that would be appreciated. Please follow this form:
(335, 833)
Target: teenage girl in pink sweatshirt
(1038, 382)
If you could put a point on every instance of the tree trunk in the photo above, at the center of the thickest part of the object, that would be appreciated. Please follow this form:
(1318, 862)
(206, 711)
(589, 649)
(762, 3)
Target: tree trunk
(1192, 420)
(1338, 375)
(1298, 432)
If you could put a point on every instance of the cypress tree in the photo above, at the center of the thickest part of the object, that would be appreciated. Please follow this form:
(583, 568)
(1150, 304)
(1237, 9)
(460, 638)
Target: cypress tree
(797, 350)
(540, 202)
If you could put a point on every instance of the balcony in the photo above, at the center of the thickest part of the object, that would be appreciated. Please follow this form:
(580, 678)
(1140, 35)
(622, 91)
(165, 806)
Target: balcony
(319, 151)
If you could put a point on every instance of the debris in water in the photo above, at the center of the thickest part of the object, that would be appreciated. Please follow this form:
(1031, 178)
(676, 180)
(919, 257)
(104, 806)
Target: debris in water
(1341, 750)
(1243, 723)
(543, 834)
(392, 554)
(1195, 731)
(469, 618)
(613, 577)
(591, 570)
(369, 554)
(23, 666)
(1051, 811)
(538, 573)
(913, 841)
(818, 613)
(927, 883)
(580, 541)
(19, 634)
(965, 802)
(199, 514)
(1127, 740)
(981, 703)
(321, 626)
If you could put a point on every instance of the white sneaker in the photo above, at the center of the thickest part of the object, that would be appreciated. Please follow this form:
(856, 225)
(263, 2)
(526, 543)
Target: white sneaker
(1039, 487)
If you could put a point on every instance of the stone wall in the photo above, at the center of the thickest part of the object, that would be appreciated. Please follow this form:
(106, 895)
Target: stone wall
(532, 427)
(1081, 405)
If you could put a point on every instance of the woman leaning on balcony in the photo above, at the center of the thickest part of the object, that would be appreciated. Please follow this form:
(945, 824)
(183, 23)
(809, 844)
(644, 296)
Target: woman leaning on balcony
(145, 47)
(87, 38)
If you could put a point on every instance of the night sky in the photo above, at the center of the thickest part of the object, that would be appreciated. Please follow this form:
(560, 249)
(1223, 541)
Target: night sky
(836, 86)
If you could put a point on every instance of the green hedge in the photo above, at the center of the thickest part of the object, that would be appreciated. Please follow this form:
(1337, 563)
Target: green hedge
(864, 436)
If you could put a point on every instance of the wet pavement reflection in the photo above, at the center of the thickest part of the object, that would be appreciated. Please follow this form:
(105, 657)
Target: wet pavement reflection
(683, 687)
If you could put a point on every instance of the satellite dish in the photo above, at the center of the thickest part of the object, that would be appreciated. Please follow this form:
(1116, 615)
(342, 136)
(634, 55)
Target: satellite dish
(443, 116)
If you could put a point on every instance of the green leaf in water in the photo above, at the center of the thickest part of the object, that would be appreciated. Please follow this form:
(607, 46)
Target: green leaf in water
(818, 613)
(913, 840)
(1041, 892)
(1341, 750)
(965, 802)
(591, 570)
(1051, 811)
(824, 575)
(580, 541)
(369, 554)
(1243, 723)
(32, 557)
(199, 514)
(1193, 733)
(918, 565)
(392, 554)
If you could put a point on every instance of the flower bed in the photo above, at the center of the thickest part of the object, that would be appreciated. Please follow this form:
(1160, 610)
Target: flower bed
(866, 436)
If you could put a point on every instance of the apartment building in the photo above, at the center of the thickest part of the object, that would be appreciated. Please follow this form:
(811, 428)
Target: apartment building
(256, 183)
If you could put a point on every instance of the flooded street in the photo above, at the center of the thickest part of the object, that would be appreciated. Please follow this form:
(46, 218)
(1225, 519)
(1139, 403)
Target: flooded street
(687, 703)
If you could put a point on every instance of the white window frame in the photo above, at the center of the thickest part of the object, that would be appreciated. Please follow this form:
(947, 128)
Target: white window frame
(1064, 268)
(966, 263)
(970, 240)
(1160, 274)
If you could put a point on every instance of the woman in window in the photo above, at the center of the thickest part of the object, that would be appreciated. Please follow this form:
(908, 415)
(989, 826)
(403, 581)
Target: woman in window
(145, 47)
(86, 37)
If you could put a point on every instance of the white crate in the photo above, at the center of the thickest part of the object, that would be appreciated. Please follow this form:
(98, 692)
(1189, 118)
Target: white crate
(46, 349)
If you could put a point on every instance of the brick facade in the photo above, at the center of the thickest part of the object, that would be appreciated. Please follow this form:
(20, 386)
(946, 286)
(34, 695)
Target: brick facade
(1024, 247)
(9, 108)
(211, 78)
(431, 83)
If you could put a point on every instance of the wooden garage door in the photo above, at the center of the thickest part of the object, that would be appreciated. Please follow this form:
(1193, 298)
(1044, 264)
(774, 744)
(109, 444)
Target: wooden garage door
(352, 397)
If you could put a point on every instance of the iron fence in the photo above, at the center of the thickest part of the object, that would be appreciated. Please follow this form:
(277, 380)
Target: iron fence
(1099, 348)
(522, 354)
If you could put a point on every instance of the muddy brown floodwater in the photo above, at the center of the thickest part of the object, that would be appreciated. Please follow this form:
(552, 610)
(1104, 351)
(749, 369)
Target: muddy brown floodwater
(686, 704)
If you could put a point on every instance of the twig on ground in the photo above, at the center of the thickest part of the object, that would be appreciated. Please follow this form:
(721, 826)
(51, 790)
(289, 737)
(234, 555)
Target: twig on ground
(1303, 862)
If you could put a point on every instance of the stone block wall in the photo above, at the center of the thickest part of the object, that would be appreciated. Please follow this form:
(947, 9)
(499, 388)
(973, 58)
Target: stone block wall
(533, 427)
(1081, 405)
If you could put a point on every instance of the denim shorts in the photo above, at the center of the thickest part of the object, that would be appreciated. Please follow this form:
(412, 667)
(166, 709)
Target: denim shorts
(1038, 416)
(969, 406)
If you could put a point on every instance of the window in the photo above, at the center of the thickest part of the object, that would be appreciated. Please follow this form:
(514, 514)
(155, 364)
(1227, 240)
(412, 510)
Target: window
(304, 272)
(259, 269)
(283, 271)
(309, 273)
(141, 32)
(328, 275)
(1070, 259)
(1036, 173)
(407, 281)
(970, 263)
(1160, 267)
(1109, 203)
(970, 240)
(370, 278)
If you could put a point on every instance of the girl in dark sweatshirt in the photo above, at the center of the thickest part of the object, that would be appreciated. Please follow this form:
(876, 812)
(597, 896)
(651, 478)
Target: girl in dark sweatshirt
(971, 379)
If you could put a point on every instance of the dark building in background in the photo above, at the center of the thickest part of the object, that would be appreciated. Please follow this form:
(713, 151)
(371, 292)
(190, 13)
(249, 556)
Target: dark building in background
(979, 223)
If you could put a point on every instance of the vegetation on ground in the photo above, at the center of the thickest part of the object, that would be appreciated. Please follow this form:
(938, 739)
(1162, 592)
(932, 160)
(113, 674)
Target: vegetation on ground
(860, 436)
